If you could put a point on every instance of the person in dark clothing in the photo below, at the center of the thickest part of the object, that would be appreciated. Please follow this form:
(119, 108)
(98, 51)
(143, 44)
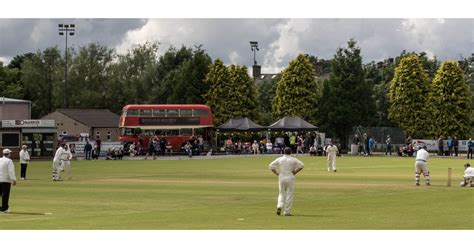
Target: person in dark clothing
(163, 146)
(98, 142)
(455, 145)
(440, 146)
(88, 150)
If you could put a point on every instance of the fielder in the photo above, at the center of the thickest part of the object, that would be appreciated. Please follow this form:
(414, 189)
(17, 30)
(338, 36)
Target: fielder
(285, 167)
(468, 176)
(57, 163)
(66, 157)
(331, 151)
(421, 165)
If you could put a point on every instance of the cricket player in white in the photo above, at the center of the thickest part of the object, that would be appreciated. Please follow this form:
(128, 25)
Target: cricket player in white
(331, 152)
(421, 165)
(57, 163)
(286, 167)
(66, 157)
(468, 175)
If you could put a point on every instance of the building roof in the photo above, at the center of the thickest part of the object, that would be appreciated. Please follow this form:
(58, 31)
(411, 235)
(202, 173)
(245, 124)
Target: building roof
(12, 100)
(92, 117)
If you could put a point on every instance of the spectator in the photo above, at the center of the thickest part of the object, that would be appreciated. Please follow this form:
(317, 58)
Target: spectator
(455, 145)
(269, 147)
(255, 147)
(440, 146)
(450, 145)
(88, 150)
(470, 146)
(388, 141)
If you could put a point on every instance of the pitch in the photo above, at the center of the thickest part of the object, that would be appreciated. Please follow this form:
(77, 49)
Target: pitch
(239, 193)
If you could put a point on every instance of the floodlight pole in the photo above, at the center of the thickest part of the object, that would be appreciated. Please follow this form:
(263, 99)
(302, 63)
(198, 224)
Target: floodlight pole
(67, 29)
(254, 48)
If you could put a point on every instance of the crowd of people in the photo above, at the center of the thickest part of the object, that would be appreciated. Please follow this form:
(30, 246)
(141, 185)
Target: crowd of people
(299, 143)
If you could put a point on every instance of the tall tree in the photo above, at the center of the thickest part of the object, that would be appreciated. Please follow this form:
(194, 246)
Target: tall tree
(265, 94)
(450, 98)
(408, 97)
(88, 77)
(347, 98)
(297, 92)
(43, 75)
(189, 77)
(133, 77)
(232, 93)
(217, 80)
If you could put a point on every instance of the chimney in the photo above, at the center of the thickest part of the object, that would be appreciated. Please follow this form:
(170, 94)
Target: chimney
(256, 71)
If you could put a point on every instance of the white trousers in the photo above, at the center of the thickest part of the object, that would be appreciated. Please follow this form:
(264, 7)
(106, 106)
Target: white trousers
(285, 194)
(66, 166)
(331, 163)
(421, 167)
(56, 170)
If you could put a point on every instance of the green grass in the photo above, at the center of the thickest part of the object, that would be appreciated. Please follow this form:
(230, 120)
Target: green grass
(240, 193)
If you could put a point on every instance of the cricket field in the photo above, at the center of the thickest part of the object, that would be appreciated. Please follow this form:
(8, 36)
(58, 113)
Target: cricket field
(240, 193)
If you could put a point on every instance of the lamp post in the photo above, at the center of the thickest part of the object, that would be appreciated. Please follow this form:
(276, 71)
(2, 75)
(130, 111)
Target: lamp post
(254, 48)
(66, 29)
(256, 70)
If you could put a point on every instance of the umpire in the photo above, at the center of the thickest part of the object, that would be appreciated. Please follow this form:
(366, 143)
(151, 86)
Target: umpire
(7, 178)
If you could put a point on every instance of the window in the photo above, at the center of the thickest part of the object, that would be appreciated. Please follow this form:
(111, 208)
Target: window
(186, 112)
(10, 140)
(159, 112)
(97, 134)
(132, 112)
(109, 136)
(201, 113)
(145, 112)
(172, 112)
(172, 132)
(186, 132)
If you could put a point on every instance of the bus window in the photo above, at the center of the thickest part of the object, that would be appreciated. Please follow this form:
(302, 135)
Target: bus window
(159, 112)
(132, 112)
(186, 112)
(201, 113)
(124, 113)
(159, 132)
(186, 132)
(145, 112)
(172, 112)
(127, 131)
(172, 132)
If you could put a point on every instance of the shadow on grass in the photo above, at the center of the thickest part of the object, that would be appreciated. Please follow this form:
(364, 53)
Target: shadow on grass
(26, 213)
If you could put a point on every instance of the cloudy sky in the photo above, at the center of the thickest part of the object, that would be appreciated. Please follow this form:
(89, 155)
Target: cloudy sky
(280, 39)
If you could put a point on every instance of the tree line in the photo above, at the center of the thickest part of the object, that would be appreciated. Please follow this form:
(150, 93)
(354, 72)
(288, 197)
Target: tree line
(425, 97)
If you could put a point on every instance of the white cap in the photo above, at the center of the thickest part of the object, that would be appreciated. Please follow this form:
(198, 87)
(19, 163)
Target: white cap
(6, 151)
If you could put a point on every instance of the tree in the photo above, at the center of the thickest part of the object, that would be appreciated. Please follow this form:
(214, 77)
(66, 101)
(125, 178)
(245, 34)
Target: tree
(450, 98)
(265, 94)
(133, 77)
(347, 98)
(10, 83)
(297, 92)
(189, 77)
(408, 97)
(217, 81)
(18, 60)
(231, 94)
(88, 79)
(43, 75)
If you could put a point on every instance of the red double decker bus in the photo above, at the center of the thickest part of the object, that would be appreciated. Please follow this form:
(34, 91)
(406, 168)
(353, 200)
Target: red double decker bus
(177, 123)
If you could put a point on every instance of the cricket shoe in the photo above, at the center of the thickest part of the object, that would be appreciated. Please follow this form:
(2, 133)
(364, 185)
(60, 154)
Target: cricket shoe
(278, 211)
(6, 211)
(428, 184)
(288, 214)
(417, 184)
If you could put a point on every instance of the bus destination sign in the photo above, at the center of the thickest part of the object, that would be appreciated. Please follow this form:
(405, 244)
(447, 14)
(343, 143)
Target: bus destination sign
(169, 121)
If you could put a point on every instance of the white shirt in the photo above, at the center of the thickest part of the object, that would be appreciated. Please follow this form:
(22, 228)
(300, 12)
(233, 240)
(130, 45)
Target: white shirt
(286, 165)
(422, 155)
(57, 155)
(469, 172)
(24, 156)
(7, 170)
(331, 151)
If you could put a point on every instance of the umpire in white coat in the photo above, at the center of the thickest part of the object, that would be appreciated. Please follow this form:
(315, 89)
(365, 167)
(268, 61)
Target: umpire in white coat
(331, 151)
(7, 178)
(286, 167)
